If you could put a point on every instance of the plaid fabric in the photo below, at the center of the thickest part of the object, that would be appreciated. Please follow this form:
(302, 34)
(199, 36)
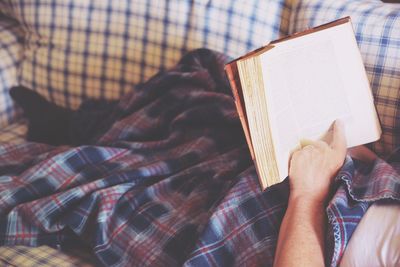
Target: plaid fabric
(376, 27)
(361, 185)
(171, 183)
(100, 49)
(6, 9)
(14, 133)
(11, 36)
(43, 256)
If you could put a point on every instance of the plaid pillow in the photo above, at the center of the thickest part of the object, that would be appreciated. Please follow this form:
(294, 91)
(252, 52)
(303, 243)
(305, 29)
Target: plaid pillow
(10, 56)
(377, 29)
(99, 49)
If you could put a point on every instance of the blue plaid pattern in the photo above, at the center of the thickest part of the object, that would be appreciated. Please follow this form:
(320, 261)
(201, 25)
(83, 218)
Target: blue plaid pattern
(376, 26)
(101, 49)
(361, 185)
(11, 39)
(171, 183)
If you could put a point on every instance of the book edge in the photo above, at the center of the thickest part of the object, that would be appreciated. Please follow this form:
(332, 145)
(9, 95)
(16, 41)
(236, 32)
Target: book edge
(232, 74)
(271, 173)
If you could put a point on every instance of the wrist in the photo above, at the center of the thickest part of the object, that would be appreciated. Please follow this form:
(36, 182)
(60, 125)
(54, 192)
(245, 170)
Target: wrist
(309, 194)
(309, 202)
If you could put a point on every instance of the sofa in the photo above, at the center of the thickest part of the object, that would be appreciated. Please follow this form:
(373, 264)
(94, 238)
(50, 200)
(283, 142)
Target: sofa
(70, 51)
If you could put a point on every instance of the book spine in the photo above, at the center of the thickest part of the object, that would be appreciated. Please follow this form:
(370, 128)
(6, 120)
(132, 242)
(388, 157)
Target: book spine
(234, 80)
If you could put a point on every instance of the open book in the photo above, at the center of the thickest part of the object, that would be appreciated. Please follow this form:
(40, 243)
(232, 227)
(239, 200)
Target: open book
(295, 88)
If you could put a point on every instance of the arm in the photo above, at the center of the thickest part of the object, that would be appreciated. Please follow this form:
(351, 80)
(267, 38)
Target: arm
(301, 236)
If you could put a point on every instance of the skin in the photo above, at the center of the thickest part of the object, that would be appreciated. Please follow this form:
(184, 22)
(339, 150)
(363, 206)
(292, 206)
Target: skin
(311, 172)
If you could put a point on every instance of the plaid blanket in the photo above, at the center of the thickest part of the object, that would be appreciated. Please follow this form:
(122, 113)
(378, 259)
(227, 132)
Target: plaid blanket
(170, 183)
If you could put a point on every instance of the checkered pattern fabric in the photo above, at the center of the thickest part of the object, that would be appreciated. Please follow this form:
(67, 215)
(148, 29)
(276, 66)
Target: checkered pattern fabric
(361, 185)
(6, 9)
(43, 256)
(14, 133)
(11, 38)
(377, 29)
(171, 183)
(99, 49)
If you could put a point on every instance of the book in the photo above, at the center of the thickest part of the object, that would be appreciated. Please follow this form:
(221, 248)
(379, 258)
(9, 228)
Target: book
(294, 88)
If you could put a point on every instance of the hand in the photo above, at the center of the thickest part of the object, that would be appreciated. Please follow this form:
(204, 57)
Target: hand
(312, 168)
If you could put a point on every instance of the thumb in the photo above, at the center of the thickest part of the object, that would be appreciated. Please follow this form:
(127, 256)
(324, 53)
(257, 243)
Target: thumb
(338, 137)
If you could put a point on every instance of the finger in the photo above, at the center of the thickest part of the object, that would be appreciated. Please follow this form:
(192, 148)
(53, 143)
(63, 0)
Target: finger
(308, 144)
(305, 142)
(338, 137)
(291, 158)
(327, 136)
(309, 147)
(320, 144)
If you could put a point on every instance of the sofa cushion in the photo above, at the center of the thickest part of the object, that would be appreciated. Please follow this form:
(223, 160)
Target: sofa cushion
(99, 49)
(11, 47)
(44, 256)
(377, 29)
(14, 133)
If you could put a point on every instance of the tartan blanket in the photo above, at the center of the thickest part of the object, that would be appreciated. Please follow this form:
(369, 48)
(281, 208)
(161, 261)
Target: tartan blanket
(170, 183)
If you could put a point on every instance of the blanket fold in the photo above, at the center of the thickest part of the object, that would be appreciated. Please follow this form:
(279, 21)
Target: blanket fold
(165, 179)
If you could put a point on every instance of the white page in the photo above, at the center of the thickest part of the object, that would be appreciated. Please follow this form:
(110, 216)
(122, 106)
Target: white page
(324, 65)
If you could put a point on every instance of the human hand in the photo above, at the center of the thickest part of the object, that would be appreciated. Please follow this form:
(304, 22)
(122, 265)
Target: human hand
(313, 167)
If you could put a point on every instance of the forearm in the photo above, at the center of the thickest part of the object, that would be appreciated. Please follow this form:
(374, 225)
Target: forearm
(301, 236)
(311, 171)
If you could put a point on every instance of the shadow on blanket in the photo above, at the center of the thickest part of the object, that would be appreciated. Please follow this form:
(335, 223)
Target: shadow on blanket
(161, 178)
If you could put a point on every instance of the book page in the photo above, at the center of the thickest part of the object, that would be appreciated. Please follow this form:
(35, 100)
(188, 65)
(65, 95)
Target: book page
(312, 81)
(298, 101)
